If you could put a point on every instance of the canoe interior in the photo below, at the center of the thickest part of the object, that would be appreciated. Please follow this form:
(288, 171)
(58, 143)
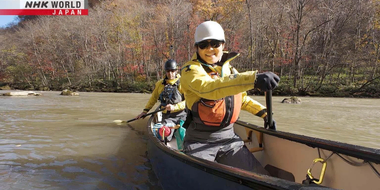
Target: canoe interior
(342, 171)
(286, 156)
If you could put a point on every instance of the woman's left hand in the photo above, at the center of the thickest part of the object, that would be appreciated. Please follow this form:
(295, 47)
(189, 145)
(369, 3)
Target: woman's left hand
(169, 107)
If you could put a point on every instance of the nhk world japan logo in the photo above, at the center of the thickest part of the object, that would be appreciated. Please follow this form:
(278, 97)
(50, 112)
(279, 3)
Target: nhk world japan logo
(44, 7)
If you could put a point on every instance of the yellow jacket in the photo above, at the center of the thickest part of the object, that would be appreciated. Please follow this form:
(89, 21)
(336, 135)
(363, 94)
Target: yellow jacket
(159, 87)
(196, 83)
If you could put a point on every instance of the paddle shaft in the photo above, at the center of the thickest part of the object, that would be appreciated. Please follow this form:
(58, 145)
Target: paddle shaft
(146, 115)
(268, 100)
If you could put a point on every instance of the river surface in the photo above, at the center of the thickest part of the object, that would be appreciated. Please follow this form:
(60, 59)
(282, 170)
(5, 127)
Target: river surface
(71, 142)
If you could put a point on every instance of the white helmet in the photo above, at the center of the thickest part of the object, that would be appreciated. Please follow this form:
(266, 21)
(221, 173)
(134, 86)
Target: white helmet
(209, 30)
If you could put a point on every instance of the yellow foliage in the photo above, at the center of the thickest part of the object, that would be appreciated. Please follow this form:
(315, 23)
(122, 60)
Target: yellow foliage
(216, 10)
(140, 78)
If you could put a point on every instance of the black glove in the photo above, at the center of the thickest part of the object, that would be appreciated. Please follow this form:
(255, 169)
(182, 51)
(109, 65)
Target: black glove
(266, 81)
(266, 123)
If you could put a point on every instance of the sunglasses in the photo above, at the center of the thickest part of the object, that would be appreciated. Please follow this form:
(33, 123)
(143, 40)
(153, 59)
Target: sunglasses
(171, 70)
(213, 43)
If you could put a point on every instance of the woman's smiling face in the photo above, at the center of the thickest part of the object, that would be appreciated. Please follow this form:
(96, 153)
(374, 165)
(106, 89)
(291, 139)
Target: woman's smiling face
(210, 54)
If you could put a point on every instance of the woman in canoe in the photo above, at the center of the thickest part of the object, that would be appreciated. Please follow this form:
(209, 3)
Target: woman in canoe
(168, 92)
(215, 94)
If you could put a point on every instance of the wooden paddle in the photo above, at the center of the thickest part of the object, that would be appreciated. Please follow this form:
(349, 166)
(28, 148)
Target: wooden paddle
(122, 121)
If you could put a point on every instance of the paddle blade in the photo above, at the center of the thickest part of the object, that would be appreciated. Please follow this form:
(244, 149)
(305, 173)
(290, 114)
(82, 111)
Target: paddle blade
(119, 121)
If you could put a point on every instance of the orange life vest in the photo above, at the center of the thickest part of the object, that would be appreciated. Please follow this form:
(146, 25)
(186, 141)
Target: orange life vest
(218, 113)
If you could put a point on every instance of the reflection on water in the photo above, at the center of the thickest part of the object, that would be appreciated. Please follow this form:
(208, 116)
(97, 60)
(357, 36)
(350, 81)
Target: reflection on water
(59, 142)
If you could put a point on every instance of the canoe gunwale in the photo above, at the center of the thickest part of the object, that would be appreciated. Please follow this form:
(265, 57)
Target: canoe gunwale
(365, 153)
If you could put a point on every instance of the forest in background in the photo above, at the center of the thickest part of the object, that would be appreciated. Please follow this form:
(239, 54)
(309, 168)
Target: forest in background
(317, 47)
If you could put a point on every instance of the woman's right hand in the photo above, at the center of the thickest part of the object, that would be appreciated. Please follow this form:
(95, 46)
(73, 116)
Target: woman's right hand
(141, 115)
(266, 81)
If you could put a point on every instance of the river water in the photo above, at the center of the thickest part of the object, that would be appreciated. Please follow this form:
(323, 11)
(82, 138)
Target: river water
(62, 142)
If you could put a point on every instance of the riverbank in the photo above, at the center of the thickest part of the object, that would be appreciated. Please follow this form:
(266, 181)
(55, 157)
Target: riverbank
(285, 88)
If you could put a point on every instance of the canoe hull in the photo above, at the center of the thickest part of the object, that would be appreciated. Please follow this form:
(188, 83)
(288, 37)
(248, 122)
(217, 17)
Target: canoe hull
(175, 174)
(176, 171)
(287, 156)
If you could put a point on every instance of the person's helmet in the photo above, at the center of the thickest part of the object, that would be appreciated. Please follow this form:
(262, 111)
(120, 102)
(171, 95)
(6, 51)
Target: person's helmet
(170, 65)
(209, 30)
